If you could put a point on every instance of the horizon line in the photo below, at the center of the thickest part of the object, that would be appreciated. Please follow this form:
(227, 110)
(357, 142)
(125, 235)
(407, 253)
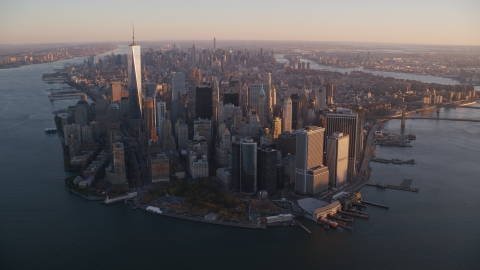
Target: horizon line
(238, 40)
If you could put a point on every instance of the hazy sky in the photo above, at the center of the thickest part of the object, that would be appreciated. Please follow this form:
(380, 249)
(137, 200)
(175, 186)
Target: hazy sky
(400, 21)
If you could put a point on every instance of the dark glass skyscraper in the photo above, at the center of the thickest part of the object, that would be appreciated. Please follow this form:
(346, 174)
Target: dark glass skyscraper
(244, 165)
(203, 102)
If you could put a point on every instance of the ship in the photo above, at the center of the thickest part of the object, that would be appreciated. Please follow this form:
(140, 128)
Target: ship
(50, 130)
(328, 222)
(397, 161)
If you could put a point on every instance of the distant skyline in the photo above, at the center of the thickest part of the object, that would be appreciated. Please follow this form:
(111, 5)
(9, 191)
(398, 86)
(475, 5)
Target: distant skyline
(408, 21)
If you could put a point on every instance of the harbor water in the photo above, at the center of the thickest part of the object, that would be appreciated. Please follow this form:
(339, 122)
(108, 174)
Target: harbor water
(42, 226)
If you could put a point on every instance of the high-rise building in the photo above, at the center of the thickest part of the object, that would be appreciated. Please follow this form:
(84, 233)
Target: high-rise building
(178, 84)
(134, 70)
(150, 120)
(311, 177)
(194, 54)
(182, 134)
(161, 117)
(204, 100)
(286, 143)
(215, 102)
(116, 92)
(296, 110)
(231, 98)
(159, 168)
(223, 148)
(276, 127)
(267, 169)
(346, 122)
(320, 98)
(337, 158)
(115, 174)
(204, 128)
(168, 139)
(261, 108)
(330, 93)
(287, 114)
(361, 122)
(244, 165)
(71, 131)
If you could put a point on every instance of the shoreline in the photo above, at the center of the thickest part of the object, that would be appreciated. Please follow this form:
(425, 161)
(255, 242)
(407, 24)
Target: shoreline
(198, 219)
(59, 60)
(89, 198)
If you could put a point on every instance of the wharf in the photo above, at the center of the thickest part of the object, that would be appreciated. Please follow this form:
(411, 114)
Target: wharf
(352, 214)
(405, 185)
(305, 228)
(394, 143)
(393, 161)
(376, 204)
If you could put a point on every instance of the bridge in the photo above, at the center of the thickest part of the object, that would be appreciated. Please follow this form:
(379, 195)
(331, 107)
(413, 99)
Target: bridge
(448, 119)
(426, 118)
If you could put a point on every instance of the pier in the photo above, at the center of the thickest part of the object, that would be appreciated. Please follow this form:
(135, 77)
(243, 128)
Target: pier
(305, 228)
(354, 214)
(393, 161)
(376, 204)
(405, 185)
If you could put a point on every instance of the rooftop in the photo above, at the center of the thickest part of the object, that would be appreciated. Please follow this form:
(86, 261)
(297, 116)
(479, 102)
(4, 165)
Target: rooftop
(311, 204)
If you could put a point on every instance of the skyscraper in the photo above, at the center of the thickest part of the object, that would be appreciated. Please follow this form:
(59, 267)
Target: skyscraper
(267, 169)
(346, 122)
(311, 177)
(161, 117)
(204, 100)
(320, 98)
(244, 165)
(194, 54)
(329, 87)
(134, 69)
(178, 84)
(116, 93)
(337, 158)
(287, 114)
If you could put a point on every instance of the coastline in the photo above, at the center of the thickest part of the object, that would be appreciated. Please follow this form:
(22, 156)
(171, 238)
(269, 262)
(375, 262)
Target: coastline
(201, 219)
(59, 60)
(89, 198)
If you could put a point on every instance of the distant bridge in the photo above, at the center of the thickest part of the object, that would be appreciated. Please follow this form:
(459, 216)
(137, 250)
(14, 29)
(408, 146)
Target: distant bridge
(449, 119)
(425, 118)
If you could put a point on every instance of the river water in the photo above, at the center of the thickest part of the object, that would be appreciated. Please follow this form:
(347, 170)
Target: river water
(42, 226)
(398, 75)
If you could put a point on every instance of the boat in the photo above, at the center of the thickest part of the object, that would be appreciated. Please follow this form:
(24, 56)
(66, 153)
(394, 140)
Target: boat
(410, 161)
(328, 222)
(411, 136)
(50, 130)
(397, 161)
(134, 208)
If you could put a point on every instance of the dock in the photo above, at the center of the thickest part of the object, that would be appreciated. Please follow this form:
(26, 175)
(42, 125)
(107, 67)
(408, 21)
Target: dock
(352, 214)
(305, 228)
(393, 161)
(405, 185)
(376, 204)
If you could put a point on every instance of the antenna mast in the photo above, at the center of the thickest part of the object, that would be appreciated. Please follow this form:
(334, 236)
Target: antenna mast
(133, 37)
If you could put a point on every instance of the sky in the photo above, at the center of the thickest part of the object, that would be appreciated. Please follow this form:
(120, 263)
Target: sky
(455, 22)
